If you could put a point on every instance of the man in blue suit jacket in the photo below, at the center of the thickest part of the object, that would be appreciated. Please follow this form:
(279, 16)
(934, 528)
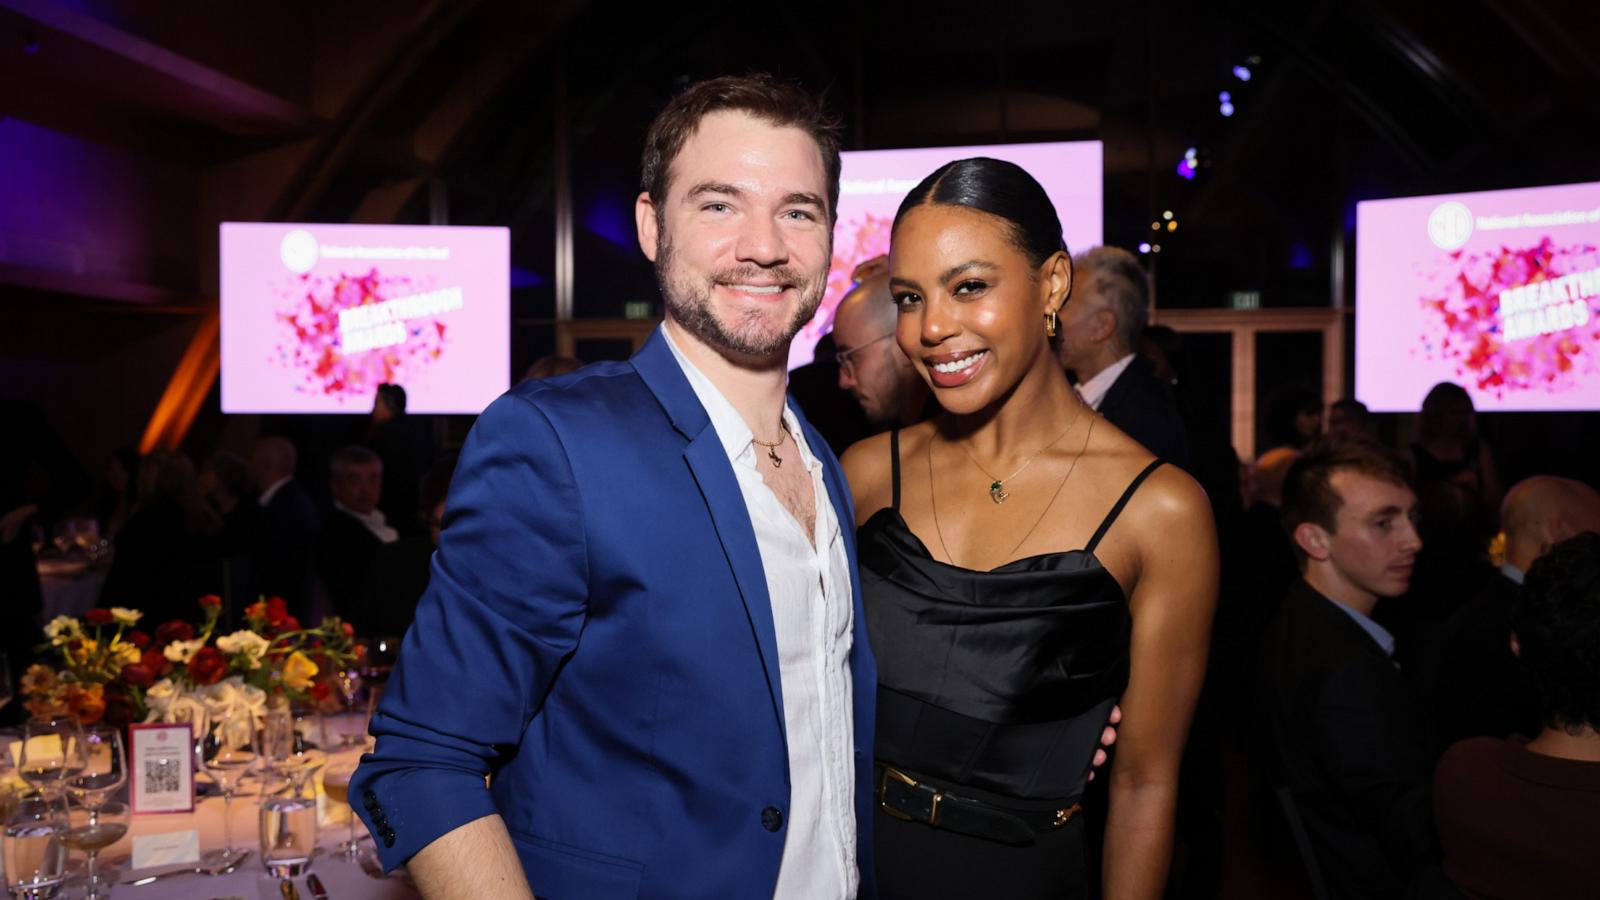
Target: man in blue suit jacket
(643, 624)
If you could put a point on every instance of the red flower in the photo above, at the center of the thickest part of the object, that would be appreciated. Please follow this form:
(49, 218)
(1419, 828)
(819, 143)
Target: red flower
(98, 617)
(207, 666)
(277, 610)
(210, 601)
(349, 630)
(320, 691)
(152, 661)
(119, 710)
(139, 639)
(137, 675)
(288, 623)
(175, 630)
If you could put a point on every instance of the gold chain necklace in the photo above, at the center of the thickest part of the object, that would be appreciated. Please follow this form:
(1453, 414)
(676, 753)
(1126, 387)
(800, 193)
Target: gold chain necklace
(933, 496)
(772, 448)
(997, 486)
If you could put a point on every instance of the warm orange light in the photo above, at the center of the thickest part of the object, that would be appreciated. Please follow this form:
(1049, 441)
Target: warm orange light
(190, 383)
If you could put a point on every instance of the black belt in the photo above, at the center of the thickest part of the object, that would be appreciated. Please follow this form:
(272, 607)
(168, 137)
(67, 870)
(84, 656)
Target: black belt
(904, 797)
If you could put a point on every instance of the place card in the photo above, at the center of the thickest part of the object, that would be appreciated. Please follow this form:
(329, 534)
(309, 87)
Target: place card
(170, 848)
(161, 768)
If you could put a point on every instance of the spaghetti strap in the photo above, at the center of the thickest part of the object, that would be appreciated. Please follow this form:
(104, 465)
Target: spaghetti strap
(1121, 502)
(894, 465)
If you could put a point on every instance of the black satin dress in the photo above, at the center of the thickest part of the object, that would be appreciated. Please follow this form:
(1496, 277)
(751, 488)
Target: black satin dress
(994, 686)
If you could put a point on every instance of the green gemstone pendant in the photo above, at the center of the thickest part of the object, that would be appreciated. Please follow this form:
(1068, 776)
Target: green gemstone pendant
(997, 493)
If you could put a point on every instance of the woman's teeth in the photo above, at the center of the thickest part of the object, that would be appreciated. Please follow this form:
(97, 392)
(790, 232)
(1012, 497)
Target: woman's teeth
(960, 365)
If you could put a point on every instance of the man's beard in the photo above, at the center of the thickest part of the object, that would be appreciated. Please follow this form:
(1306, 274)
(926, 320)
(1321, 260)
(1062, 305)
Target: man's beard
(753, 332)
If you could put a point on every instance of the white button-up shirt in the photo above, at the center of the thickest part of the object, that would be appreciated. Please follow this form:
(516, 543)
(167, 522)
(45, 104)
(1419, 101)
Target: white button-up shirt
(1094, 390)
(808, 582)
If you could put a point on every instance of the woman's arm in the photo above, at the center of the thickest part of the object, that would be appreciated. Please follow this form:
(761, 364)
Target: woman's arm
(1172, 603)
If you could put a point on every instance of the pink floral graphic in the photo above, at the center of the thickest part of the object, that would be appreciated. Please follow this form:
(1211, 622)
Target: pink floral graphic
(311, 339)
(1465, 327)
(854, 243)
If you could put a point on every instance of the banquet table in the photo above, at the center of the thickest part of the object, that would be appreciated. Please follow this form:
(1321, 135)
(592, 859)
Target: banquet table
(342, 880)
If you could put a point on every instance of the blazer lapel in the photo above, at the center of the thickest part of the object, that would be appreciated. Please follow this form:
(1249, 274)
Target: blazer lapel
(719, 487)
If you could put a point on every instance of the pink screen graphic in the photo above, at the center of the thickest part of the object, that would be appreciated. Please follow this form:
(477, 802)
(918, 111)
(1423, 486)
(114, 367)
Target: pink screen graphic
(873, 182)
(1497, 291)
(315, 317)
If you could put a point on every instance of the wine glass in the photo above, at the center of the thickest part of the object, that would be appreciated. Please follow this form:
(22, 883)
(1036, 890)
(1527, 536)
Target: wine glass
(104, 772)
(6, 691)
(34, 858)
(52, 752)
(349, 682)
(336, 784)
(228, 751)
(93, 830)
(277, 743)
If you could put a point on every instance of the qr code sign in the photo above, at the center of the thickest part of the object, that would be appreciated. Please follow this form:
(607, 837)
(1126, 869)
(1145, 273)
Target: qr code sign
(161, 776)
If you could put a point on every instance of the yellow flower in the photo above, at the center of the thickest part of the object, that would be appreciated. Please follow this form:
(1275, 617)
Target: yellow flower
(298, 670)
(124, 616)
(85, 647)
(126, 653)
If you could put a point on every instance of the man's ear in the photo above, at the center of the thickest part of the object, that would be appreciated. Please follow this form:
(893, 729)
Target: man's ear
(1516, 645)
(1313, 539)
(644, 219)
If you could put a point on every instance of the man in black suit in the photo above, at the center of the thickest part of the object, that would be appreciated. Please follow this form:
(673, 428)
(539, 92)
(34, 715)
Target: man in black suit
(1101, 323)
(1478, 688)
(286, 530)
(1345, 734)
(354, 530)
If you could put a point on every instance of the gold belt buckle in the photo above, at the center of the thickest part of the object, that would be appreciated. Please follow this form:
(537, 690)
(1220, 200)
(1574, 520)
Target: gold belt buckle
(883, 788)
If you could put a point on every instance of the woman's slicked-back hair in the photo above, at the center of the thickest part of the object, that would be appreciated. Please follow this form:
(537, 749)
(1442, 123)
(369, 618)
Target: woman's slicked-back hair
(998, 188)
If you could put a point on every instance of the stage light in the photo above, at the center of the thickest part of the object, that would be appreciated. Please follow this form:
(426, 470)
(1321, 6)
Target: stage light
(1155, 226)
(1144, 247)
(1166, 214)
(1189, 165)
(1241, 72)
(1227, 104)
(1155, 248)
(1173, 225)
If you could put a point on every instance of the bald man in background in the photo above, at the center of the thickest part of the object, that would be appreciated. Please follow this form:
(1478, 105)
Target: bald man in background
(871, 366)
(1478, 688)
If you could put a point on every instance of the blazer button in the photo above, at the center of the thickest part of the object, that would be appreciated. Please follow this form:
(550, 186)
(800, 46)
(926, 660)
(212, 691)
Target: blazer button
(370, 801)
(388, 839)
(772, 818)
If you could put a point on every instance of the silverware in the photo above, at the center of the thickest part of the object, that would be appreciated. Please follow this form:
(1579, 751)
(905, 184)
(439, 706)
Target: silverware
(315, 884)
(221, 869)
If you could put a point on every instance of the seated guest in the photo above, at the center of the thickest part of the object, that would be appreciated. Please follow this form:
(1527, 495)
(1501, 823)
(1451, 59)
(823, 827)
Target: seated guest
(400, 570)
(225, 484)
(286, 530)
(1101, 325)
(1478, 688)
(170, 534)
(1344, 733)
(1520, 818)
(354, 528)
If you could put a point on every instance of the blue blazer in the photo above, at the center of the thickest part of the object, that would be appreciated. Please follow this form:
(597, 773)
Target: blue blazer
(597, 636)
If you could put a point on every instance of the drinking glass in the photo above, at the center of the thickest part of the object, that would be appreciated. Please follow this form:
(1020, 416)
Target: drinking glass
(288, 835)
(31, 851)
(6, 691)
(93, 830)
(349, 684)
(228, 750)
(52, 752)
(336, 784)
(277, 742)
(104, 772)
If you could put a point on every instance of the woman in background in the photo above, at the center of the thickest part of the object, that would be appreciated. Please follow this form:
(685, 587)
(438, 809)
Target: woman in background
(1024, 567)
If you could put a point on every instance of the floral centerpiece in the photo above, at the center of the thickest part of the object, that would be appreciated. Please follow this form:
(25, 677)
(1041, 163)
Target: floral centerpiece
(108, 670)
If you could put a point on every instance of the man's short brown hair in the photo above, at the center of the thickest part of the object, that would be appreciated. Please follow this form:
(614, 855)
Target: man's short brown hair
(760, 96)
(1308, 494)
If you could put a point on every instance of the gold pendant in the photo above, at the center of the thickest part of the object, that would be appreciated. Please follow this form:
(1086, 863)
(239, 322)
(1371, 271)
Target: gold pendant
(997, 493)
(777, 461)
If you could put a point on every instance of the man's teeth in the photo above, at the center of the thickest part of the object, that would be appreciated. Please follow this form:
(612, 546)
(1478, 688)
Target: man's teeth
(758, 289)
(960, 365)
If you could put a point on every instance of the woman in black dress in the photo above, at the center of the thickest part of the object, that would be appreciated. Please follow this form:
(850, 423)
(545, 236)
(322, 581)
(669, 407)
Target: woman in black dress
(1025, 566)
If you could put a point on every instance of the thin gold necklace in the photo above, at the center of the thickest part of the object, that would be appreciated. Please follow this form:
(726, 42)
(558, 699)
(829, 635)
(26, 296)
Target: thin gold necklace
(772, 448)
(933, 497)
(997, 486)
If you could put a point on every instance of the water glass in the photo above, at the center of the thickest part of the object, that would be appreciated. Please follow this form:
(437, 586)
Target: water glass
(52, 753)
(288, 835)
(34, 858)
(93, 830)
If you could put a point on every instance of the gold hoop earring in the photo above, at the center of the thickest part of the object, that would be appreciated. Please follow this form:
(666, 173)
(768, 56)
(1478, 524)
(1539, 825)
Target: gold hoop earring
(1050, 323)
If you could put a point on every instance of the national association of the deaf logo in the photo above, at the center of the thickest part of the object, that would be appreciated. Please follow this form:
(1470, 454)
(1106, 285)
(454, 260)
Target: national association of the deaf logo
(1450, 225)
(299, 251)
